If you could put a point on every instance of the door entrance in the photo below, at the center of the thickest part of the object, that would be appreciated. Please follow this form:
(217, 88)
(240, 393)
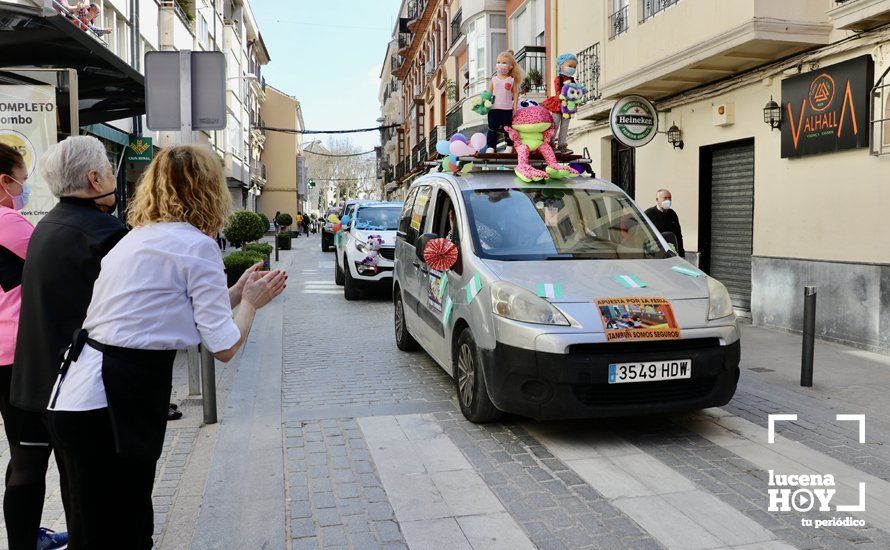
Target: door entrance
(623, 167)
(727, 216)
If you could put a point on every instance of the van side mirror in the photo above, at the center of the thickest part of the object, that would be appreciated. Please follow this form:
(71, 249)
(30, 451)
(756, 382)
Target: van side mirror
(421, 244)
(671, 239)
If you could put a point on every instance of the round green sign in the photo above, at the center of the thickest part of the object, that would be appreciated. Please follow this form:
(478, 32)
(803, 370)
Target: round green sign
(634, 121)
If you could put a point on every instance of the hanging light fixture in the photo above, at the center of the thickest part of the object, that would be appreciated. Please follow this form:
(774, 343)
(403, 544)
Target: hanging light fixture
(772, 114)
(675, 136)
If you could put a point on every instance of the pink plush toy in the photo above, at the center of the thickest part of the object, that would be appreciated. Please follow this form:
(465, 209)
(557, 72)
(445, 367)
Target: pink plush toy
(375, 242)
(532, 130)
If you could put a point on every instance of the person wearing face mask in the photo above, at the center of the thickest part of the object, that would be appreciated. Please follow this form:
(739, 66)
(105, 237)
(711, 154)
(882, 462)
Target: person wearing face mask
(566, 65)
(665, 219)
(505, 87)
(61, 266)
(26, 434)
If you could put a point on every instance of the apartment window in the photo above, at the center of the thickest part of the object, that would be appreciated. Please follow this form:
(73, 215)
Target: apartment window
(618, 19)
(203, 31)
(476, 52)
(527, 25)
(649, 8)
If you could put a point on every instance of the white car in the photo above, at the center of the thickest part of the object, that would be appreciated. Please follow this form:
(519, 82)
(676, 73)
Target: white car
(365, 247)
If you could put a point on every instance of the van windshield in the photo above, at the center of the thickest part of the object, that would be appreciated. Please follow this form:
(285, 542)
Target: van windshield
(378, 218)
(549, 223)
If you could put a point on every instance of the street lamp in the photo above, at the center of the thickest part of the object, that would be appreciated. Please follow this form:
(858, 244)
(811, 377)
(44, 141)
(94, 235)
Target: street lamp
(772, 114)
(675, 136)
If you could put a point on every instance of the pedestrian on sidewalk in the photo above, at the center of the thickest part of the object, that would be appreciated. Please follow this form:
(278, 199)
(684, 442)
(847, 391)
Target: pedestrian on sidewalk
(161, 289)
(61, 266)
(29, 448)
(666, 219)
(305, 223)
(221, 240)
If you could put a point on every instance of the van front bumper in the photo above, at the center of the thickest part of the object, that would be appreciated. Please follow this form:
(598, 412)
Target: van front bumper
(546, 385)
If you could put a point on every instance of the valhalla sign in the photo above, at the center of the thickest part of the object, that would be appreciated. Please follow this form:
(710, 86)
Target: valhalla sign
(634, 121)
(827, 110)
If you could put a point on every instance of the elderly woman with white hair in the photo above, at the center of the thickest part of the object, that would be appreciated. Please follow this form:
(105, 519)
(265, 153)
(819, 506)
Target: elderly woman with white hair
(61, 266)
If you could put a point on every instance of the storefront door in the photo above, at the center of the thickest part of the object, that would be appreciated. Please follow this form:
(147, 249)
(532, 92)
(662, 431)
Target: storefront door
(623, 167)
(727, 203)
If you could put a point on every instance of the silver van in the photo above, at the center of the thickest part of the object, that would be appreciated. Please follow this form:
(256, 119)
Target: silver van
(564, 302)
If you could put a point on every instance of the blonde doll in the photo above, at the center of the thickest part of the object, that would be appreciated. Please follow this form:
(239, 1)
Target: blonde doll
(505, 87)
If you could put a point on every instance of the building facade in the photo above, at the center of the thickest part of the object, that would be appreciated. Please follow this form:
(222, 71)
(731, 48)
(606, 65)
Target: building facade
(281, 155)
(441, 57)
(136, 27)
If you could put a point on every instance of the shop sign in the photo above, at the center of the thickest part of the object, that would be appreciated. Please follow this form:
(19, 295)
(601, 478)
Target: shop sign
(140, 150)
(827, 110)
(634, 121)
(28, 124)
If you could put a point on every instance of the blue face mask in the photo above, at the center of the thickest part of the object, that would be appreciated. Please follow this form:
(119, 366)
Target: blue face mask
(19, 201)
(569, 71)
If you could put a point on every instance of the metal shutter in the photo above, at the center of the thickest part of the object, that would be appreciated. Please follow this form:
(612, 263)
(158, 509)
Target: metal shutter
(732, 220)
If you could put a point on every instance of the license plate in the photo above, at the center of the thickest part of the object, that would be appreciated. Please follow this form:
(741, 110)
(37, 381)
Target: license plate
(650, 371)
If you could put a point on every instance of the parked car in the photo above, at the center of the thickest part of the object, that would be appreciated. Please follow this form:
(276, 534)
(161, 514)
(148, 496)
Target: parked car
(327, 230)
(366, 248)
(564, 302)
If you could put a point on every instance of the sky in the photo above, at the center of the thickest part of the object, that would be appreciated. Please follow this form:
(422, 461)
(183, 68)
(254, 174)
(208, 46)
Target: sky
(328, 55)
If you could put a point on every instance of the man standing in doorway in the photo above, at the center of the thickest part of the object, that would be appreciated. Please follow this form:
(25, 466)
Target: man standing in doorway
(666, 219)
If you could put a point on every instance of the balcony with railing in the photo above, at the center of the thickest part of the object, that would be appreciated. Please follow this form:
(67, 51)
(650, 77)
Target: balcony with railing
(702, 41)
(435, 135)
(455, 27)
(533, 60)
(860, 15)
(588, 72)
(652, 7)
(618, 22)
(93, 30)
(454, 119)
(420, 152)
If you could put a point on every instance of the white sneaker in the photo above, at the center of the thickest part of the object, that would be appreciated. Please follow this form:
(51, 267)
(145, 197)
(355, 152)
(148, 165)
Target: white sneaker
(489, 150)
(509, 150)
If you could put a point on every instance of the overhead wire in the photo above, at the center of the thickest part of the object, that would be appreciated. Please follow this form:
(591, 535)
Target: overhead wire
(351, 131)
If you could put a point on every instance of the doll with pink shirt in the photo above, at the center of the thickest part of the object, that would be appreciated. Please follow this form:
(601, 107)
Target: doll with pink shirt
(505, 87)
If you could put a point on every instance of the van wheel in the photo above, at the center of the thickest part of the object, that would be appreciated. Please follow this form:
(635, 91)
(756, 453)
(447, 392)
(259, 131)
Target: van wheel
(350, 286)
(404, 340)
(470, 384)
(338, 274)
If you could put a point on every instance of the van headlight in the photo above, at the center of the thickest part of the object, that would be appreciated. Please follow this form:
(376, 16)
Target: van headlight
(719, 302)
(514, 302)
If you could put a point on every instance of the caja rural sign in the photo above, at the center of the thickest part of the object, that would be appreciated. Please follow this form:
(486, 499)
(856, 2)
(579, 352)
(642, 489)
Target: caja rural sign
(634, 121)
(828, 109)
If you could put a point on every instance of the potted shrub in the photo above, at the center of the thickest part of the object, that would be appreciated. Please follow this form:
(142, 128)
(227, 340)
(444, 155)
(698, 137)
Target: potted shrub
(263, 249)
(284, 239)
(244, 227)
(238, 262)
(285, 221)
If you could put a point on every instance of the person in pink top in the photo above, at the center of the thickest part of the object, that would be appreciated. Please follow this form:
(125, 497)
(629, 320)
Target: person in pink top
(23, 499)
(505, 87)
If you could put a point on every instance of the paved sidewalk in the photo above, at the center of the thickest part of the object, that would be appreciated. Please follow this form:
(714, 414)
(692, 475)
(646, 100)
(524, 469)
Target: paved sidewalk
(331, 437)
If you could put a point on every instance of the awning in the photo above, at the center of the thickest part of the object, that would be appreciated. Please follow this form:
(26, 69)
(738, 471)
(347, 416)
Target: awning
(109, 88)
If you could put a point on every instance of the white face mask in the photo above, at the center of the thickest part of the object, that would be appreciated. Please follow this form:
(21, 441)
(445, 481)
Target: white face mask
(666, 204)
(503, 68)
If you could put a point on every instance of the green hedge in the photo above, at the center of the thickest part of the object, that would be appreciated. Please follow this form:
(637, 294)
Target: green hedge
(262, 248)
(244, 227)
(265, 220)
(239, 261)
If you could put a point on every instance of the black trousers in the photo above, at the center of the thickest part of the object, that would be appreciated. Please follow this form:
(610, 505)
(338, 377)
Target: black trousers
(497, 119)
(30, 447)
(111, 491)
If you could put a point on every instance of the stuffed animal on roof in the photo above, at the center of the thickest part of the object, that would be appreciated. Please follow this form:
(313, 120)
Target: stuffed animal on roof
(569, 97)
(532, 130)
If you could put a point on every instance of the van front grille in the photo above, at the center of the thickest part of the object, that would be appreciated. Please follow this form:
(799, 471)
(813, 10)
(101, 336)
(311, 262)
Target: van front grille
(638, 393)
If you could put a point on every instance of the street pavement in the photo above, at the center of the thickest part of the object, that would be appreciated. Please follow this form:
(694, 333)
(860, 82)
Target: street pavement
(329, 437)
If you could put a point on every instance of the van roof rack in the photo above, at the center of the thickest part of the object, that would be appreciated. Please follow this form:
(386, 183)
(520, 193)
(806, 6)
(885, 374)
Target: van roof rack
(501, 161)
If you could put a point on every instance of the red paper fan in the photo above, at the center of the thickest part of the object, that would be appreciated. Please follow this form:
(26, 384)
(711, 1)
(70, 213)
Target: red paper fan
(440, 254)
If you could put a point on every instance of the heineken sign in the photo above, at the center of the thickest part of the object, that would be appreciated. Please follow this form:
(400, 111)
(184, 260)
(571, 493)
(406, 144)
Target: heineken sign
(634, 121)
(140, 150)
(827, 110)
